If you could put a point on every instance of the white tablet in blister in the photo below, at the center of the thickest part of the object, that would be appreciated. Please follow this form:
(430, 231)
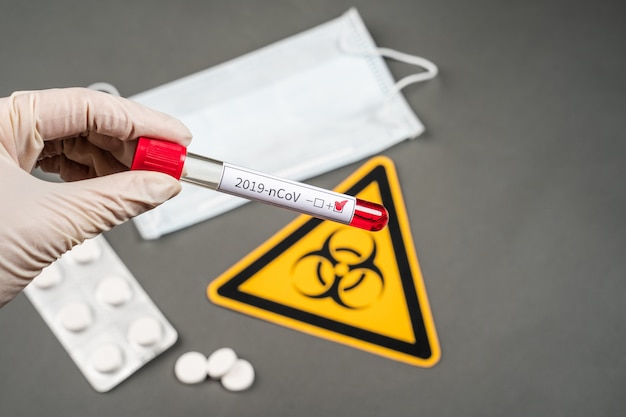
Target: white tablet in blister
(101, 315)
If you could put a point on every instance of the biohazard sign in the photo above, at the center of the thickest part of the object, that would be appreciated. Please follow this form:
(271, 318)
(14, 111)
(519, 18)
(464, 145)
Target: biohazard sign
(363, 289)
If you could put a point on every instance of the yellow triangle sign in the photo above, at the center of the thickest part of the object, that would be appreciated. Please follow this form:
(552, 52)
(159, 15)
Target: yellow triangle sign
(362, 289)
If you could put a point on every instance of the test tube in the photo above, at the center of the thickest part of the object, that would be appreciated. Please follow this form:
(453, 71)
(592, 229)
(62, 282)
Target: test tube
(173, 159)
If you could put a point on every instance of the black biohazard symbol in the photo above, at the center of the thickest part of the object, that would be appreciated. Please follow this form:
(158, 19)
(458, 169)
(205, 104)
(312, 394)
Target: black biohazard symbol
(343, 269)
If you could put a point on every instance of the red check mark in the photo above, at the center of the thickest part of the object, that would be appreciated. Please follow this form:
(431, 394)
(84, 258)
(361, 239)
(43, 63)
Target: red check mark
(339, 205)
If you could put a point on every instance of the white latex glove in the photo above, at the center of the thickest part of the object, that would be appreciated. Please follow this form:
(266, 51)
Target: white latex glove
(83, 135)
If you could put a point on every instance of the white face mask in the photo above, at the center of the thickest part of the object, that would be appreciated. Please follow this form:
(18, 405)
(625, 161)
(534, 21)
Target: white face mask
(298, 108)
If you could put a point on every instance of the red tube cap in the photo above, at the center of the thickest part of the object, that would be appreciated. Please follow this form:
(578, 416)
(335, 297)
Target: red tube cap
(159, 155)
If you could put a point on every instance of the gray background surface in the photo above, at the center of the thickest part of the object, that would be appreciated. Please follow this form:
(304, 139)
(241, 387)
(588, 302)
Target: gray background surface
(515, 196)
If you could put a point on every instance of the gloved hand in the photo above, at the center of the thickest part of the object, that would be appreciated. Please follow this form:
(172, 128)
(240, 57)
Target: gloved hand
(84, 136)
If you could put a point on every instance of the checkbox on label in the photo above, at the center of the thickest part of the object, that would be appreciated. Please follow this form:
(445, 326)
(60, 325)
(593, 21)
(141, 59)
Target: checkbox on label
(319, 203)
(339, 205)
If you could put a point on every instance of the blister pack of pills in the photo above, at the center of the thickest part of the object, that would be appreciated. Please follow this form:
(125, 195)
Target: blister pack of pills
(104, 319)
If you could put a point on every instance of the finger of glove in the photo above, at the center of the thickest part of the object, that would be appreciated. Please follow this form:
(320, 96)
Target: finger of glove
(82, 148)
(123, 151)
(57, 155)
(113, 199)
(61, 113)
(70, 170)
(73, 111)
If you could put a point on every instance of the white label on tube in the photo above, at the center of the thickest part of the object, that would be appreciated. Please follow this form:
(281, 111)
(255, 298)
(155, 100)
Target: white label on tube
(296, 196)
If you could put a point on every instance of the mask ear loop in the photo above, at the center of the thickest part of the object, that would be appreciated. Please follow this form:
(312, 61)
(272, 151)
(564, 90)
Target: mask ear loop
(430, 69)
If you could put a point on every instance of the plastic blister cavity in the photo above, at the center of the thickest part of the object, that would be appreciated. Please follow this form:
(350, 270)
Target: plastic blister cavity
(104, 319)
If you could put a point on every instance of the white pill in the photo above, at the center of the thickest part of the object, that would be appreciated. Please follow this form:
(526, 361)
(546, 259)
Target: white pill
(114, 291)
(76, 316)
(107, 358)
(190, 368)
(240, 377)
(145, 331)
(220, 362)
(86, 252)
(49, 277)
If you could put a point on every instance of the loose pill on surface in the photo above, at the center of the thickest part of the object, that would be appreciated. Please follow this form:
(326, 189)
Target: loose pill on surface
(113, 291)
(145, 331)
(75, 316)
(107, 358)
(49, 277)
(240, 377)
(190, 368)
(220, 362)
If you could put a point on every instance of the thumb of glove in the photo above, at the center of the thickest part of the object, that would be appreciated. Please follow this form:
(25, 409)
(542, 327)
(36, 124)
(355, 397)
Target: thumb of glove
(44, 220)
(101, 203)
